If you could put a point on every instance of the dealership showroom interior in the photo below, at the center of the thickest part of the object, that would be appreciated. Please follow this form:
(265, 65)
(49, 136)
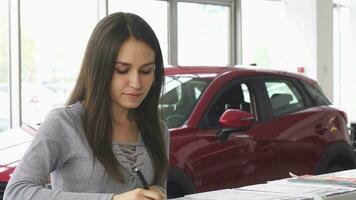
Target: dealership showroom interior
(253, 91)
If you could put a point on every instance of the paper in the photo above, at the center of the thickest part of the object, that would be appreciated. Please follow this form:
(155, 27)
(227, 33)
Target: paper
(298, 189)
(287, 181)
(236, 194)
(327, 179)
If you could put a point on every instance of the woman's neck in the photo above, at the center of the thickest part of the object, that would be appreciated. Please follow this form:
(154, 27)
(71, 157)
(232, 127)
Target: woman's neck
(124, 126)
(125, 131)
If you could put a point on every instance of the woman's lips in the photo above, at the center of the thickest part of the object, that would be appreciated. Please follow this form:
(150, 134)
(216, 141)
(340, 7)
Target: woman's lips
(133, 95)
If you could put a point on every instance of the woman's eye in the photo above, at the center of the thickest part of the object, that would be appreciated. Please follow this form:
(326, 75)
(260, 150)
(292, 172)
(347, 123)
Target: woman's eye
(146, 71)
(121, 71)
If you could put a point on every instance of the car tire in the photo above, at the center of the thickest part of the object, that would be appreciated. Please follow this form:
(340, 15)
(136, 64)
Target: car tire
(178, 184)
(337, 157)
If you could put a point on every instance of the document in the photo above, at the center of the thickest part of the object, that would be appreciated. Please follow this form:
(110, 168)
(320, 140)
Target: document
(285, 189)
(237, 194)
(296, 189)
(344, 178)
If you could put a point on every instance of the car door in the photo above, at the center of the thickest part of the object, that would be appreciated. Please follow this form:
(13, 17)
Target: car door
(292, 122)
(242, 159)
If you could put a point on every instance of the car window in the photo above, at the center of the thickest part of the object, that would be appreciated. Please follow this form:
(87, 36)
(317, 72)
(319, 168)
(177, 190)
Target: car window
(180, 96)
(284, 96)
(316, 94)
(236, 96)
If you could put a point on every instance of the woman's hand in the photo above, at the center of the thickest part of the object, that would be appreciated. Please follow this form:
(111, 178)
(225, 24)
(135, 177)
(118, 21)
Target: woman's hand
(160, 190)
(140, 194)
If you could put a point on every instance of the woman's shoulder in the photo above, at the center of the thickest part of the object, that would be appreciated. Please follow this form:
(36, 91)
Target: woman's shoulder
(65, 112)
(62, 119)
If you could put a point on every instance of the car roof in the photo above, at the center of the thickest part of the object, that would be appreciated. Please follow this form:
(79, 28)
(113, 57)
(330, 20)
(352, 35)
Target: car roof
(212, 72)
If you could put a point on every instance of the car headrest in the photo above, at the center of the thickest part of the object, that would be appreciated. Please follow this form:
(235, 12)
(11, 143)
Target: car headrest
(279, 100)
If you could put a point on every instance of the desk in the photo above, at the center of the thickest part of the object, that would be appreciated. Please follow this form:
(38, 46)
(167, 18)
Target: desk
(349, 195)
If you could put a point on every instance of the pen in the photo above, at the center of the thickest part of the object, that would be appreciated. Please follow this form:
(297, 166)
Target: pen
(142, 179)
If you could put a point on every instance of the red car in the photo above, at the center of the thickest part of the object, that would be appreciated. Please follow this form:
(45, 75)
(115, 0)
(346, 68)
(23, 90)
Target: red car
(232, 127)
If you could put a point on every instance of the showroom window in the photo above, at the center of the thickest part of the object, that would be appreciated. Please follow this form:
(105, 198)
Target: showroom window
(4, 66)
(279, 34)
(47, 44)
(263, 28)
(154, 12)
(53, 40)
(203, 34)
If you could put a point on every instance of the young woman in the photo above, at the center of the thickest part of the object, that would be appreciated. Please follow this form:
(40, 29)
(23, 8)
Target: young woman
(94, 147)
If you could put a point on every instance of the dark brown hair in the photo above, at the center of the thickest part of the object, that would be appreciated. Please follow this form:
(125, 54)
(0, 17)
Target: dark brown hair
(93, 90)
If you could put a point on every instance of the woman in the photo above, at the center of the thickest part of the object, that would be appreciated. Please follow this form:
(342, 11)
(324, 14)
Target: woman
(93, 147)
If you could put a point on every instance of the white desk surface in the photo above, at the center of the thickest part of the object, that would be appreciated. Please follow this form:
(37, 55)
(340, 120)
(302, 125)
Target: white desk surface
(345, 196)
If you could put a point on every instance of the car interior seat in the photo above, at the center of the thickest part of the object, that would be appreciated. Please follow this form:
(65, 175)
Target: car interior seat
(280, 103)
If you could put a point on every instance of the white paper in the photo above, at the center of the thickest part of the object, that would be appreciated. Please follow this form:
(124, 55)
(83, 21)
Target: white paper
(236, 194)
(347, 173)
(296, 189)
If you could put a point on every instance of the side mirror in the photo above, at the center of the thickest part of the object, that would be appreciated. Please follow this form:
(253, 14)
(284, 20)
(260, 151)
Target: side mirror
(233, 120)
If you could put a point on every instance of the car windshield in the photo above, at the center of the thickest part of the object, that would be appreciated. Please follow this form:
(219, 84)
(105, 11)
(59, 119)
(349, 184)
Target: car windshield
(179, 98)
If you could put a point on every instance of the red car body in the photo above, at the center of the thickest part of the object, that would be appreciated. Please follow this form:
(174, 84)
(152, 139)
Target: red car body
(313, 139)
(215, 144)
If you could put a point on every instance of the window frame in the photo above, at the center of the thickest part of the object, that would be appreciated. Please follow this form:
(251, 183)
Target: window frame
(234, 51)
(318, 90)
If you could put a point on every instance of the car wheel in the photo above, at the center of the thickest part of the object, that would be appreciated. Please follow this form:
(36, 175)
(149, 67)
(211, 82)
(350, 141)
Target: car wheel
(335, 168)
(175, 190)
(178, 184)
(337, 157)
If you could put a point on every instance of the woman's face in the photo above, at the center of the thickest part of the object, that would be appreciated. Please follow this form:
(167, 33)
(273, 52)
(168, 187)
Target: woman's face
(133, 74)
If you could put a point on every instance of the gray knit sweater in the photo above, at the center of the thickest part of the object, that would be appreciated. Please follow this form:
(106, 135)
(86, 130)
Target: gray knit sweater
(60, 150)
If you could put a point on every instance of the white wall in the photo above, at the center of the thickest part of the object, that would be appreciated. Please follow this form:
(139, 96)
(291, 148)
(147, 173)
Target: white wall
(345, 65)
(301, 33)
(324, 35)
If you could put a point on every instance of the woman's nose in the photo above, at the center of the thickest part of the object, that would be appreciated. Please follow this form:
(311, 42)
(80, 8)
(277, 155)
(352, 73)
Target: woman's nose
(134, 80)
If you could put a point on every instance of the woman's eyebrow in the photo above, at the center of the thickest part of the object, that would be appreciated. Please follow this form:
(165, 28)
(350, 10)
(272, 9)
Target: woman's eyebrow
(148, 64)
(128, 64)
(123, 63)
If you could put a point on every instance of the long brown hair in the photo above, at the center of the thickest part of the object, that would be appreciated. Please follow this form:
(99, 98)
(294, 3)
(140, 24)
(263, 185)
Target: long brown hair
(93, 89)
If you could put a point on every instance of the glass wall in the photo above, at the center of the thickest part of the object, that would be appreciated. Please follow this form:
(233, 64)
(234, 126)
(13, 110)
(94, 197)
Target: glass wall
(203, 34)
(279, 34)
(4, 66)
(344, 58)
(263, 29)
(154, 12)
(54, 34)
(53, 40)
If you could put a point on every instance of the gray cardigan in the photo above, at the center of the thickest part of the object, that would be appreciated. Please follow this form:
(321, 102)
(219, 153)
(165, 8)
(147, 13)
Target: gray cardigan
(60, 149)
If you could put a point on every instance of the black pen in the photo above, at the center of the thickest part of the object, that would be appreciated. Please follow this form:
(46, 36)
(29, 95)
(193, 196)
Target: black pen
(140, 176)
